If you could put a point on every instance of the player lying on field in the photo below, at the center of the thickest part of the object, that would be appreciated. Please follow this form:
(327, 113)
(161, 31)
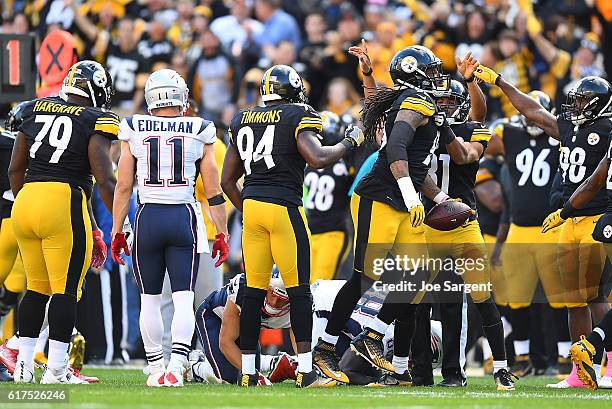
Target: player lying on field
(218, 326)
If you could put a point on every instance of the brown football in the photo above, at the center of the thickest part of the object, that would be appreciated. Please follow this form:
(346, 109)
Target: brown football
(448, 215)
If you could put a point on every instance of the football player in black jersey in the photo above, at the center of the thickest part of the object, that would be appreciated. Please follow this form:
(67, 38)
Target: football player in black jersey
(583, 129)
(326, 202)
(61, 144)
(271, 145)
(532, 159)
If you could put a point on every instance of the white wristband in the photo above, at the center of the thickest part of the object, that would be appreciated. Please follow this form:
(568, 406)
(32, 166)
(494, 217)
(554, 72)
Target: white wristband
(441, 197)
(409, 195)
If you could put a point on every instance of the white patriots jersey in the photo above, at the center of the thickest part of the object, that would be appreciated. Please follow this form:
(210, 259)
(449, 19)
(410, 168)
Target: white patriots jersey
(167, 151)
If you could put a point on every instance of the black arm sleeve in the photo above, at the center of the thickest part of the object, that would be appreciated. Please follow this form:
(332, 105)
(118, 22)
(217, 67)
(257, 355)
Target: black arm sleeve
(400, 139)
(446, 134)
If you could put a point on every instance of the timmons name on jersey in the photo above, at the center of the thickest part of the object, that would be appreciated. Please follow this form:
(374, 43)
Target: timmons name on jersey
(57, 108)
(147, 125)
(261, 117)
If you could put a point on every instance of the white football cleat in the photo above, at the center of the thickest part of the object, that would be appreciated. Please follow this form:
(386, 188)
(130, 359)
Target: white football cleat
(562, 385)
(23, 373)
(605, 382)
(50, 378)
(173, 378)
(156, 377)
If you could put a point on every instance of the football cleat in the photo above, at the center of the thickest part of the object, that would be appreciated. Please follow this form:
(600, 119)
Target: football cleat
(66, 378)
(605, 382)
(453, 381)
(313, 379)
(83, 377)
(324, 357)
(40, 360)
(394, 379)
(564, 384)
(246, 380)
(173, 378)
(156, 375)
(504, 381)
(23, 373)
(8, 357)
(581, 354)
(76, 351)
(368, 345)
(282, 367)
(522, 366)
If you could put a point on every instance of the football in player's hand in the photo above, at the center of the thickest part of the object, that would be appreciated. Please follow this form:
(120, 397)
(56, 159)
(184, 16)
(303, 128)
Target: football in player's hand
(448, 215)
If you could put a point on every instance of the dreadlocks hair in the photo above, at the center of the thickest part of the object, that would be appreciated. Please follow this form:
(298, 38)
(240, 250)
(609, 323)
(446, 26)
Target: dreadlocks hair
(375, 110)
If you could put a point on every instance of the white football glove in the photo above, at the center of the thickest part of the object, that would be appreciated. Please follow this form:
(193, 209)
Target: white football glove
(354, 134)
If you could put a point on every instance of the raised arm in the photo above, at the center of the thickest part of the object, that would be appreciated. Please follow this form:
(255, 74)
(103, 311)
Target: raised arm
(526, 105)
(466, 67)
(365, 65)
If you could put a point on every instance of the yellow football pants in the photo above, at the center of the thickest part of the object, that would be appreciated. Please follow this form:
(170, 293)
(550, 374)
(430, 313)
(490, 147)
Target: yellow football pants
(380, 229)
(8, 249)
(53, 229)
(329, 251)
(581, 260)
(463, 243)
(275, 234)
(528, 256)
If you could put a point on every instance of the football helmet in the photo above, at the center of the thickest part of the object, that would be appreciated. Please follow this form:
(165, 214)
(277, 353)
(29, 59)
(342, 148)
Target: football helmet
(15, 117)
(588, 100)
(166, 88)
(455, 103)
(276, 303)
(546, 103)
(282, 82)
(330, 135)
(418, 67)
(91, 80)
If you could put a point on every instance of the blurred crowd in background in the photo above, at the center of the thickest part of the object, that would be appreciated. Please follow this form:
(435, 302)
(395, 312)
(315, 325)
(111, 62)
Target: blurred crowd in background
(221, 47)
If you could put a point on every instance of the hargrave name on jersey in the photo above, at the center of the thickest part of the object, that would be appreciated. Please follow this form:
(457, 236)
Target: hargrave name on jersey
(147, 125)
(261, 117)
(48, 106)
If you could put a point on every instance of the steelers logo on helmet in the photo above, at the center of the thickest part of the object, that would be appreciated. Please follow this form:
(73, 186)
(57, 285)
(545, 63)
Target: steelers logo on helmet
(294, 79)
(607, 231)
(99, 78)
(409, 64)
(593, 139)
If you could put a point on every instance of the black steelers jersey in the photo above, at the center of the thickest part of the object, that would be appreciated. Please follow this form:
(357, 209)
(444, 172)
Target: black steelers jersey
(556, 192)
(609, 179)
(532, 163)
(458, 181)
(379, 184)
(266, 140)
(489, 169)
(582, 148)
(7, 140)
(57, 136)
(326, 199)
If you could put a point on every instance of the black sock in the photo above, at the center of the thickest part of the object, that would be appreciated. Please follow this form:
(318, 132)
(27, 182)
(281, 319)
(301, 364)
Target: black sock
(250, 318)
(345, 302)
(493, 328)
(8, 301)
(62, 316)
(300, 300)
(595, 337)
(404, 331)
(561, 325)
(521, 323)
(32, 313)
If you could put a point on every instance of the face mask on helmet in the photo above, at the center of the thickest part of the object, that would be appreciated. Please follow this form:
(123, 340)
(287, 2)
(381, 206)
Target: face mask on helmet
(456, 108)
(588, 100)
(428, 78)
(530, 127)
(331, 129)
(90, 80)
(276, 303)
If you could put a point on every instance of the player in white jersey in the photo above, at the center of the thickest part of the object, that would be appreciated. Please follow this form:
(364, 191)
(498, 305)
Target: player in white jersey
(167, 150)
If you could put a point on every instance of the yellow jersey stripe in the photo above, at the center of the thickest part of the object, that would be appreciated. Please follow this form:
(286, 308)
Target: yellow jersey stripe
(421, 101)
(480, 137)
(112, 129)
(107, 122)
(418, 107)
(483, 176)
(267, 82)
(318, 127)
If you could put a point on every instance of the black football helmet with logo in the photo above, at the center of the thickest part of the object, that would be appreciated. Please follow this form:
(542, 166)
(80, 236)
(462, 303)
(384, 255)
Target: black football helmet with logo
(418, 67)
(15, 117)
(91, 80)
(589, 99)
(282, 83)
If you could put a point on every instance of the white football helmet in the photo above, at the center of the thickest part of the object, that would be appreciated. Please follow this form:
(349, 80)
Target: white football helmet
(166, 88)
(276, 303)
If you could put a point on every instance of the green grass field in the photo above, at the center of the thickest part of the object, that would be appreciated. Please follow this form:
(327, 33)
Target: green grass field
(124, 389)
